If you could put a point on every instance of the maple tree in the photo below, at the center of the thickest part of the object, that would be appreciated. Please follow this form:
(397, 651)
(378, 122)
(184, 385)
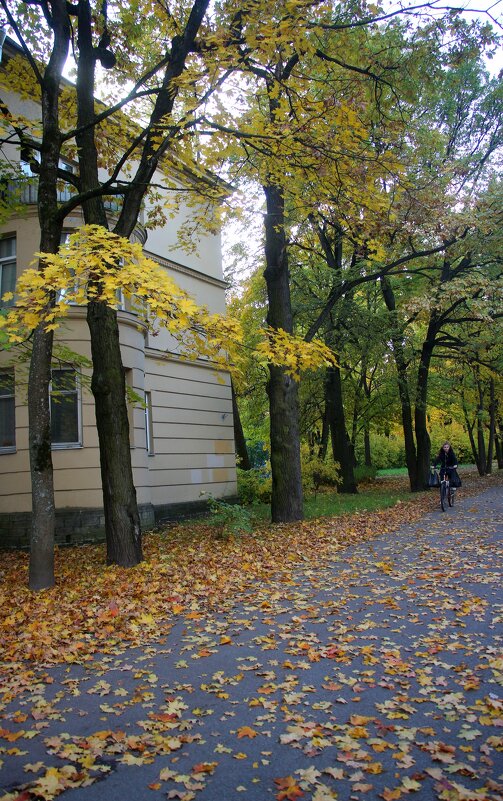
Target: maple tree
(92, 134)
(282, 137)
(44, 31)
(348, 161)
(415, 237)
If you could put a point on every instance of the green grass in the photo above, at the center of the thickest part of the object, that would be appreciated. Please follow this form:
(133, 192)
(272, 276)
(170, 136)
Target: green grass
(331, 504)
(402, 471)
(393, 471)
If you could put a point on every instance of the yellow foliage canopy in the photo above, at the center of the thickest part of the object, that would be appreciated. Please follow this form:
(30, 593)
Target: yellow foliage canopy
(96, 264)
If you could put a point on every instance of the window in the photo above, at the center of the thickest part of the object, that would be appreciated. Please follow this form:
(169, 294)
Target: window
(63, 241)
(65, 189)
(121, 302)
(65, 409)
(7, 412)
(7, 268)
(149, 428)
(130, 400)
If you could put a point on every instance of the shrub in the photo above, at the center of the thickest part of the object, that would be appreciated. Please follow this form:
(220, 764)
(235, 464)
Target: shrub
(254, 486)
(258, 453)
(364, 473)
(316, 472)
(385, 451)
(231, 519)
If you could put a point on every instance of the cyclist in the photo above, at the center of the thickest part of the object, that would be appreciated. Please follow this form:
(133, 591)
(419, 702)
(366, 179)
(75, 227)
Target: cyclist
(446, 459)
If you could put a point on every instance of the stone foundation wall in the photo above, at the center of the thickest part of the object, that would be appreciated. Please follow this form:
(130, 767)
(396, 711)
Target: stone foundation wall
(77, 526)
(73, 526)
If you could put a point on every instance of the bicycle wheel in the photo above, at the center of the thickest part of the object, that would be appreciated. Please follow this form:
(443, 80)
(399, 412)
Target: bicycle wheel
(443, 496)
(450, 496)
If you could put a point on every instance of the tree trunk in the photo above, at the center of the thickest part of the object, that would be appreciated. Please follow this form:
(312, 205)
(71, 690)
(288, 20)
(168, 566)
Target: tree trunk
(499, 443)
(122, 519)
(499, 451)
(108, 385)
(341, 445)
(469, 428)
(481, 444)
(239, 437)
(325, 433)
(492, 429)
(287, 499)
(423, 443)
(403, 384)
(41, 571)
(366, 445)
(41, 568)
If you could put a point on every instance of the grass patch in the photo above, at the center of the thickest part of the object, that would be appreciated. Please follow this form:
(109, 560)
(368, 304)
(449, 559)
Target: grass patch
(332, 504)
(392, 471)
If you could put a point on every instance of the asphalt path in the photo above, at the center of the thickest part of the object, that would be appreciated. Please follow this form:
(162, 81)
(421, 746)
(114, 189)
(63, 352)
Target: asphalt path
(378, 675)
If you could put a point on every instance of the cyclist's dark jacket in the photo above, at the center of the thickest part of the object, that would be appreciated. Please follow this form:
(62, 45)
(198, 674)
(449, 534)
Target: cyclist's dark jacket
(446, 459)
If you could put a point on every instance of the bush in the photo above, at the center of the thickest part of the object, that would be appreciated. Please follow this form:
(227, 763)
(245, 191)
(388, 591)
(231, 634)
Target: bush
(258, 453)
(385, 451)
(316, 472)
(231, 519)
(255, 485)
(364, 473)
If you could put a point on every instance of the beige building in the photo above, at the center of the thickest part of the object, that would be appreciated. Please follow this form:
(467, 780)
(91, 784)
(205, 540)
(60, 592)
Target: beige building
(182, 439)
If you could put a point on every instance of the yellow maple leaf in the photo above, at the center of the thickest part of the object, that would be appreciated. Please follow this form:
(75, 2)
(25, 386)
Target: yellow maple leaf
(246, 731)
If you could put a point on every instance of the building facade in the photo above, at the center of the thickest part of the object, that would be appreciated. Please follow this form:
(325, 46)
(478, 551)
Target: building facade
(182, 437)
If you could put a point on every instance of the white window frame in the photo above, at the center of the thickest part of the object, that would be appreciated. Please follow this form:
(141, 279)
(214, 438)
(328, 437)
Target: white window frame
(77, 444)
(63, 164)
(121, 301)
(8, 261)
(66, 191)
(62, 292)
(9, 397)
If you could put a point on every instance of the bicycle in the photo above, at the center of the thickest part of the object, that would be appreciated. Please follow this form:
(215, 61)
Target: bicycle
(446, 491)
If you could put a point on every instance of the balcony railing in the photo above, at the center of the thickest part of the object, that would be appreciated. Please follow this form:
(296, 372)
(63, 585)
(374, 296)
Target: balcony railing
(28, 194)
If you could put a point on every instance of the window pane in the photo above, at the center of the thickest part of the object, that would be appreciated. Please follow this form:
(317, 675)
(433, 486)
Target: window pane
(65, 419)
(7, 423)
(63, 381)
(7, 268)
(7, 410)
(8, 247)
(6, 384)
(64, 408)
(7, 280)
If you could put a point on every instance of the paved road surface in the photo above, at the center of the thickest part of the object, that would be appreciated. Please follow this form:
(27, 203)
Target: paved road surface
(379, 676)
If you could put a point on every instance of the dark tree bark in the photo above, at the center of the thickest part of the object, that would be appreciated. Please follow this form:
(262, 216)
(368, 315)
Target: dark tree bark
(239, 437)
(122, 520)
(366, 446)
(325, 434)
(41, 568)
(123, 529)
(469, 427)
(403, 384)
(341, 444)
(492, 428)
(499, 443)
(287, 499)
(423, 443)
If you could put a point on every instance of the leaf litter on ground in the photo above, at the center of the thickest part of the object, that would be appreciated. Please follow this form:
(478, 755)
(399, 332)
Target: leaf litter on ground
(95, 611)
